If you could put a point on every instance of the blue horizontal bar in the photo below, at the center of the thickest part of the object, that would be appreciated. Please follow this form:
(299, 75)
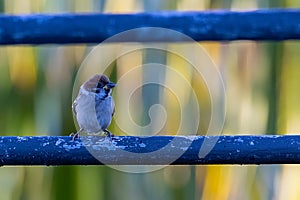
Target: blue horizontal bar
(267, 24)
(155, 150)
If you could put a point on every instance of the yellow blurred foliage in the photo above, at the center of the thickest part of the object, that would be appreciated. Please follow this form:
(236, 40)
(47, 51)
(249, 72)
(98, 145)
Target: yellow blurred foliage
(22, 68)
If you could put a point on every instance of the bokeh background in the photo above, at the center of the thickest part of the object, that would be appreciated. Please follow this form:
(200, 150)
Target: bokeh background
(262, 86)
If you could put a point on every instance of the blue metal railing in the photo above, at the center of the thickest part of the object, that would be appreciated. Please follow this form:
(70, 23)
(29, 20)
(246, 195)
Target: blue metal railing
(275, 24)
(61, 150)
(278, 24)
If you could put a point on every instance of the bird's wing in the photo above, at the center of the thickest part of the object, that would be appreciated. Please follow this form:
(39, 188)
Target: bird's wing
(113, 112)
(113, 108)
(74, 105)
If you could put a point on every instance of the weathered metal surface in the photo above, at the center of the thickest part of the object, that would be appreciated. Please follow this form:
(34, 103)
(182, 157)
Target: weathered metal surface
(154, 150)
(264, 24)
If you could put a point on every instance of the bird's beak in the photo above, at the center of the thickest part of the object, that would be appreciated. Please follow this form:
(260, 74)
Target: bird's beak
(110, 85)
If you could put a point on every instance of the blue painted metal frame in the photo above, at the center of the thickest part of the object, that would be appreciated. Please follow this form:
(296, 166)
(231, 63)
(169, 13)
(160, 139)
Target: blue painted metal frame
(270, 24)
(61, 150)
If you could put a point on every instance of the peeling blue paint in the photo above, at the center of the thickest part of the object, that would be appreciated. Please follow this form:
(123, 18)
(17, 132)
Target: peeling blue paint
(62, 150)
(263, 24)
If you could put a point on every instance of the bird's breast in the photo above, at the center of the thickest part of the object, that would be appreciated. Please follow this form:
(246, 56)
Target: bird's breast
(104, 112)
(93, 113)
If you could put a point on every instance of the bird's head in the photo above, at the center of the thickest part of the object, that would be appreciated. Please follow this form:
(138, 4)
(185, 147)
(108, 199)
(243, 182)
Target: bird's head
(98, 82)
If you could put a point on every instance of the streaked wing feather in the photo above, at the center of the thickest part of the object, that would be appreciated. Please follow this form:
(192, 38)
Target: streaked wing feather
(113, 108)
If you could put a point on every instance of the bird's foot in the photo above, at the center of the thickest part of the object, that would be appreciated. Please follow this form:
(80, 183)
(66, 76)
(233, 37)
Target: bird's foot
(75, 135)
(108, 134)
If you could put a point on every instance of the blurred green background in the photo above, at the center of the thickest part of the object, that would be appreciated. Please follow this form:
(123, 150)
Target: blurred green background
(262, 86)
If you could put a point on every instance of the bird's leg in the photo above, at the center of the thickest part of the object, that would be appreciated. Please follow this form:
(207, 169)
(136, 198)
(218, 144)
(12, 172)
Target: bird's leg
(76, 135)
(108, 134)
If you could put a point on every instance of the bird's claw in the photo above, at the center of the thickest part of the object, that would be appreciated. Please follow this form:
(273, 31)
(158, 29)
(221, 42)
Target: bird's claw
(75, 135)
(109, 134)
(106, 132)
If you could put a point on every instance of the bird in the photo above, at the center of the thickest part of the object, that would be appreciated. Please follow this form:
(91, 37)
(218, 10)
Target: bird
(94, 106)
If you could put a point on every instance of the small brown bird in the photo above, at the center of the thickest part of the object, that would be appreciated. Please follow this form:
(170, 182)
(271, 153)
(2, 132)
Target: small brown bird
(94, 106)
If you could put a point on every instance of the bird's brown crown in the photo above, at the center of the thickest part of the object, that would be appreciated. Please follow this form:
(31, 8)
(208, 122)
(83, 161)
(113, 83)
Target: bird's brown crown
(104, 79)
(94, 80)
